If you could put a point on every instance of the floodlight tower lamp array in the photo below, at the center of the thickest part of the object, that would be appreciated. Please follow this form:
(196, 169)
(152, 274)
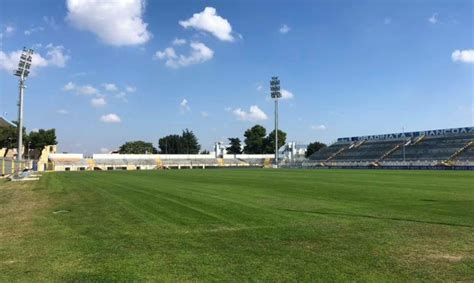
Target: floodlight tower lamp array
(275, 94)
(22, 72)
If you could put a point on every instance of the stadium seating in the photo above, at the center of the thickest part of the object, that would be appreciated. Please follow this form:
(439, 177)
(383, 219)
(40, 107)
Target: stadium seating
(427, 148)
(327, 152)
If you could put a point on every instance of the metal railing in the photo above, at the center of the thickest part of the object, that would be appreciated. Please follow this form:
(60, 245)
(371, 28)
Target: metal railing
(9, 166)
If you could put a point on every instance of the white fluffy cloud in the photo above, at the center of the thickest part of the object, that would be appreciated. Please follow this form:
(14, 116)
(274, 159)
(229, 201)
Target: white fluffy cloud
(110, 87)
(116, 23)
(69, 86)
(98, 102)
(433, 19)
(199, 53)
(55, 57)
(87, 90)
(104, 150)
(179, 41)
(284, 29)
(184, 106)
(62, 111)
(9, 29)
(209, 21)
(130, 88)
(286, 94)
(81, 89)
(465, 56)
(110, 118)
(318, 127)
(254, 114)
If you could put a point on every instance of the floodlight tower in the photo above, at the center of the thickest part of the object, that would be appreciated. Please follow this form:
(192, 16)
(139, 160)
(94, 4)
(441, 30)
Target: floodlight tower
(23, 71)
(276, 94)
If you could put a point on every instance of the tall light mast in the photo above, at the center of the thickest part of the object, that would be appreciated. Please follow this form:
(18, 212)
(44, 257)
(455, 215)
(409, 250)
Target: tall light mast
(275, 94)
(23, 71)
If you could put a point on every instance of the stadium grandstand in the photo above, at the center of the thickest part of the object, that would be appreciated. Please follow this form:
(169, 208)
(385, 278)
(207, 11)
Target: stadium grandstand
(445, 148)
(108, 162)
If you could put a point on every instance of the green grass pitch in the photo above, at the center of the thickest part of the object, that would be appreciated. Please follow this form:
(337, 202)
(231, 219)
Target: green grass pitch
(239, 225)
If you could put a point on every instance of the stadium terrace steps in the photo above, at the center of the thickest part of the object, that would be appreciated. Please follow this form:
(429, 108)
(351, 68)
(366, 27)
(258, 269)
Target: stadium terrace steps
(396, 147)
(468, 146)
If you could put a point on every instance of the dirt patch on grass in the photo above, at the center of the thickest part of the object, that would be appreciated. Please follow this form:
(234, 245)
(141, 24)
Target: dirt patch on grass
(446, 257)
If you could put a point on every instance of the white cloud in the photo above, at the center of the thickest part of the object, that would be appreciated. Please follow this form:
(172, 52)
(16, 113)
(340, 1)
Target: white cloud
(259, 87)
(110, 87)
(465, 56)
(179, 41)
(122, 95)
(104, 150)
(86, 90)
(110, 118)
(199, 53)
(55, 57)
(69, 86)
(116, 23)
(387, 21)
(130, 88)
(33, 30)
(9, 29)
(204, 114)
(318, 127)
(62, 111)
(184, 106)
(254, 114)
(433, 19)
(286, 94)
(81, 89)
(209, 21)
(98, 102)
(168, 53)
(284, 29)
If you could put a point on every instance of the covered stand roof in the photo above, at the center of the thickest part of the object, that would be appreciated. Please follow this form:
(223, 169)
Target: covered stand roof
(4, 123)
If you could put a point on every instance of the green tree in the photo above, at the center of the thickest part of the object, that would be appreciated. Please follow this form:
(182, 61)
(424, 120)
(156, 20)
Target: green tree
(9, 136)
(313, 147)
(235, 146)
(170, 144)
(137, 147)
(255, 140)
(189, 142)
(41, 138)
(270, 141)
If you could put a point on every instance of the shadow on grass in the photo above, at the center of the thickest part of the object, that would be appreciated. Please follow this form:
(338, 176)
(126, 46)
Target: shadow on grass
(375, 217)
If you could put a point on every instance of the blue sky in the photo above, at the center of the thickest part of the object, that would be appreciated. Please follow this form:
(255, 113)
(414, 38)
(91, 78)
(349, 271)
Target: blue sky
(111, 71)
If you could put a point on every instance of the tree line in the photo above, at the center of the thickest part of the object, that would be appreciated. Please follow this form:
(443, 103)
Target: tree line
(256, 141)
(34, 140)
